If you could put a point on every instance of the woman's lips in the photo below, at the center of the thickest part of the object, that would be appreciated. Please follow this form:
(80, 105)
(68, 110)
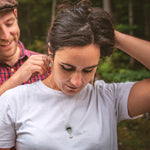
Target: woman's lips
(72, 88)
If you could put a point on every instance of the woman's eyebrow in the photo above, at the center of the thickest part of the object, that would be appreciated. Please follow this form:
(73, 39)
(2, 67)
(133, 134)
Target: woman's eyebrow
(67, 64)
(90, 67)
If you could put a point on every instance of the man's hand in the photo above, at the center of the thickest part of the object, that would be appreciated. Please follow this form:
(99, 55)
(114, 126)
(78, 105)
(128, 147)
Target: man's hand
(32, 66)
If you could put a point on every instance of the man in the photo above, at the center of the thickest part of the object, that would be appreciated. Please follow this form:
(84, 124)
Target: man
(17, 65)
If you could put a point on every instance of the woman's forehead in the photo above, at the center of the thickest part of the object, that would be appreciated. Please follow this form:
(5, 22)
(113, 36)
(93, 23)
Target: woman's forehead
(91, 49)
(79, 55)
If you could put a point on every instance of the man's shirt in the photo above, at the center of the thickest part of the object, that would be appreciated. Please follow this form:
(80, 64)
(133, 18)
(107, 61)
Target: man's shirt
(7, 71)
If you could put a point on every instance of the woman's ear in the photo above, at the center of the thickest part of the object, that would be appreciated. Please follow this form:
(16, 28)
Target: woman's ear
(49, 51)
(49, 47)
(50, 54)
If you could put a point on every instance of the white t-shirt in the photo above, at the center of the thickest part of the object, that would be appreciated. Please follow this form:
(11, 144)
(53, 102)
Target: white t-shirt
(33, 116)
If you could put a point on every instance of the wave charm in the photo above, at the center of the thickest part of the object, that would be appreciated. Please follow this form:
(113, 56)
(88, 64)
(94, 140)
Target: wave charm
(69, 130)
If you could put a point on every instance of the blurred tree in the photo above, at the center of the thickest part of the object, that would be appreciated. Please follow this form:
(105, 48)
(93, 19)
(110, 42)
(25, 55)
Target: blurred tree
(107, 5)
(146, 10)
(54, 2)
(131, 22)
(34, 21)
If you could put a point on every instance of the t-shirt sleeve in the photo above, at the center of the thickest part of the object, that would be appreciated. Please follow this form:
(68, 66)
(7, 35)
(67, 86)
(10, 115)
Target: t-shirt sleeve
(121, 100)
(7, 130)
(115, 96)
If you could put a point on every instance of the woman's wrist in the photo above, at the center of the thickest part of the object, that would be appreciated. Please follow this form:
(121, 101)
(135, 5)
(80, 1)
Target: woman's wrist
(119, 39)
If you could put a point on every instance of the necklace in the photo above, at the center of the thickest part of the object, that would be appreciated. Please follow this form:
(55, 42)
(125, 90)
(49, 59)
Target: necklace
(68, 127)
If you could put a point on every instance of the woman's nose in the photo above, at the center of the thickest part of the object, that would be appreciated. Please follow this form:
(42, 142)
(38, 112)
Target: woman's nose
(76, 79)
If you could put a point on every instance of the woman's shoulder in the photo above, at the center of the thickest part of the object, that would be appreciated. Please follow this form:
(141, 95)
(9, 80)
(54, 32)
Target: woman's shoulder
(102, 83)
(20, 91)
(112, 89)
(18, 96)
(24, 88)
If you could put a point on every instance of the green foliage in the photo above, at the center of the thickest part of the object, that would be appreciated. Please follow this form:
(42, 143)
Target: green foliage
(121, 8)
(126, 28)
(134, 134)
(34, 20)
(117, 68)
(39, 46)
(126, 75)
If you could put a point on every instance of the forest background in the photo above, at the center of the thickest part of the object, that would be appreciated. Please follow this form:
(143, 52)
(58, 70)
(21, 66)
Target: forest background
(130, 17)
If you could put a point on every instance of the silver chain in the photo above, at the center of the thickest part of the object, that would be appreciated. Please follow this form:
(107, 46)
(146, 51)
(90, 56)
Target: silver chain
(67, 121)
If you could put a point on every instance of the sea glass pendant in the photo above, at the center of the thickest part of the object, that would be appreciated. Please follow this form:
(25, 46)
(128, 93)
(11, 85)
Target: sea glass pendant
(69, 130)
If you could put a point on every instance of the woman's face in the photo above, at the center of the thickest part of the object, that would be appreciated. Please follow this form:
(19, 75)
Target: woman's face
(74, 67)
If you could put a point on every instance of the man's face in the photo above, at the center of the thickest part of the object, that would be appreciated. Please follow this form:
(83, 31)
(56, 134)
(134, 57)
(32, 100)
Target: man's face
(9, 35)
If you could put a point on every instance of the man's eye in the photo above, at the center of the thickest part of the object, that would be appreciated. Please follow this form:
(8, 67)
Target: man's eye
(67, 68)
(9, 24)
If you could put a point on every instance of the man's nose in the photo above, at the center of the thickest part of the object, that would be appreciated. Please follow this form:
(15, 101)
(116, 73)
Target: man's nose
(4, 33)
(76, 79)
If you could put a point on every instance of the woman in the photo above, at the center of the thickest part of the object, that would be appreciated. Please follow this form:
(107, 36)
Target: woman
(64, 111)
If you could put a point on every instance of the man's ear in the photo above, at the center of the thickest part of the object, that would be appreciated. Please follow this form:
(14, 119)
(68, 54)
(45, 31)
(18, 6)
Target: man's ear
(16, 12)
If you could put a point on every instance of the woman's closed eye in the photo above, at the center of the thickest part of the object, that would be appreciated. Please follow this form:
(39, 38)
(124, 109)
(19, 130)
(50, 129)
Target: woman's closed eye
(87, 70)
(70, 68)
(67, 68)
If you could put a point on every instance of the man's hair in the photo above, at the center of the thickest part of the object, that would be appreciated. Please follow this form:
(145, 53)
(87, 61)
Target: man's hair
(81, 25)
(8, 5)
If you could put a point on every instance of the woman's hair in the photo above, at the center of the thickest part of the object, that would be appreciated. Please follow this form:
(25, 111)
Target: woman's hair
(81, 25)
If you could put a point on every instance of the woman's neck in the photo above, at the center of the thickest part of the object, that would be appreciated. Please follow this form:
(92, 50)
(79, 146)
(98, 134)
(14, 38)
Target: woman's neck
(49, 81)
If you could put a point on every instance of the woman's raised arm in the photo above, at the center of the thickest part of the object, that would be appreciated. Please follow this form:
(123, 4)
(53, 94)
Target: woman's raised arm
(135, 47)
(139, 97)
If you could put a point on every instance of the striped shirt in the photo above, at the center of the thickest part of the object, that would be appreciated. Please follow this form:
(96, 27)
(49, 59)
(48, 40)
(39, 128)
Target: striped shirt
(7, 71)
